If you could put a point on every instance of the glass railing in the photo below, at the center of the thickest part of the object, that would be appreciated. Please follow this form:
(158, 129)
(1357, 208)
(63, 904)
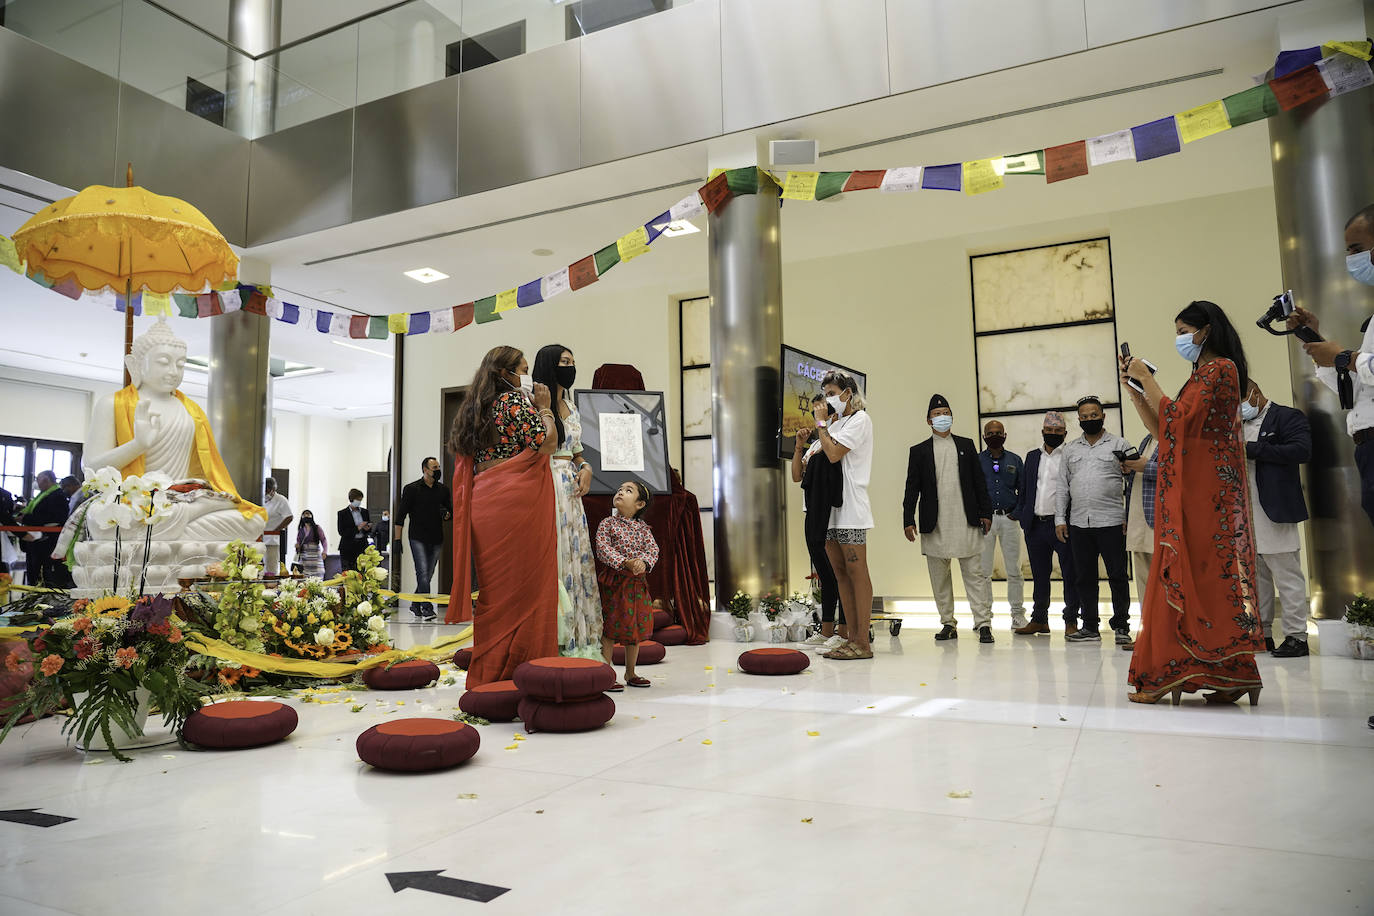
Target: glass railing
(340, 66)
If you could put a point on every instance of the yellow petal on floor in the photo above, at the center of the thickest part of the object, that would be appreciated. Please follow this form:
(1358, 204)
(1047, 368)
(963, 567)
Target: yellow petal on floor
(806, 820)
(512, 747)
(706, 741)
(967, 793)
(468, 795)
(813, 734)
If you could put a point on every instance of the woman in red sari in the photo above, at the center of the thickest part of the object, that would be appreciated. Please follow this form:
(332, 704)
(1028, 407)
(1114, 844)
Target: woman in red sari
(503, 518)
(1199, 626)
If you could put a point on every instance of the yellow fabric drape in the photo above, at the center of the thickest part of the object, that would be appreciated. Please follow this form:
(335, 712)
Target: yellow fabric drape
(212, 469)
(215, 648)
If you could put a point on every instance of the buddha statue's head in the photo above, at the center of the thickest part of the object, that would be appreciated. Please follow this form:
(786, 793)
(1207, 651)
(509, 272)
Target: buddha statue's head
(158, 360)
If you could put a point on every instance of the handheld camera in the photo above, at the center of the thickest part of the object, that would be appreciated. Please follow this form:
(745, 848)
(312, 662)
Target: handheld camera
(1279, 310)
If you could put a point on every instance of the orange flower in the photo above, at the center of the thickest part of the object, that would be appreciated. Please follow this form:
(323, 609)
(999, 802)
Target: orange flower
(251, 672)
(80, 605)
(125, 658)
(230, 676)
(175, 635)
(51, 665)
(81, 624)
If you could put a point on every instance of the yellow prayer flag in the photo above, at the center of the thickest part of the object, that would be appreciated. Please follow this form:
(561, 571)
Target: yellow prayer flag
(1358, 49)
(633, 244)
(800, 186)
(714, 173)
(505, 301)
(9, 255)
(980, 177)
(398, 323)
(157, 304)
(1202, 121)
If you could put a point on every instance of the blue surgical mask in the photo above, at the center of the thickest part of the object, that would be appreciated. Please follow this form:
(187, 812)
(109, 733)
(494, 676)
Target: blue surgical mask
(1361, 267)
(1186, 348)
(942, 423)
(1248, 411)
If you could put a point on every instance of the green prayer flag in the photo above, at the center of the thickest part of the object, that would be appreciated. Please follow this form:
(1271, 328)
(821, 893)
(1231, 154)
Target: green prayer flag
(743, 181)
(376, 328)
(1254, 104)
(485, 310)
(1031, 163)
(186, 305)
(830, 184)
(606, 258)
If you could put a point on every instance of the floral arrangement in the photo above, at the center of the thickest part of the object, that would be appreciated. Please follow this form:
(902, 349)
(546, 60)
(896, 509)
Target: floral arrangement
(1360, 611)
(740, 606)
(99, 657)
(123, 504)
(771, 604)
(815, 580)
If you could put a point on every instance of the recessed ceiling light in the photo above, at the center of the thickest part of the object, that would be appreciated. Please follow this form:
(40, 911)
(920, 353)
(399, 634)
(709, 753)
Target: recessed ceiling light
(542, 252)
(680, 227)
(340, 343)
(426, 274)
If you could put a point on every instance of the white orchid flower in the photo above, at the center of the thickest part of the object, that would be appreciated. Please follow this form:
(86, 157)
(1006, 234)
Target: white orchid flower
(108, 516)
(379, 574)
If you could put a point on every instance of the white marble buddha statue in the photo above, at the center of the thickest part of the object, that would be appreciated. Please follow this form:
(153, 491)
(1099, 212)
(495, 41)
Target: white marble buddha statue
(151, 426)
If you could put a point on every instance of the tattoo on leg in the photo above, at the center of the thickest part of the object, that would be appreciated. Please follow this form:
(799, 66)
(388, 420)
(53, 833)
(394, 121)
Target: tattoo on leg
(852, 555)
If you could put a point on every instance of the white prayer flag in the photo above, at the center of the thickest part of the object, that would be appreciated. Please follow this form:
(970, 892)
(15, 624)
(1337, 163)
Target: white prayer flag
(907, 178)
(1111, 148)
(1344, 73)
(339, 324)
(274, 308)
(441, 321)
(556, 283)
(687, 208)
(229, 301)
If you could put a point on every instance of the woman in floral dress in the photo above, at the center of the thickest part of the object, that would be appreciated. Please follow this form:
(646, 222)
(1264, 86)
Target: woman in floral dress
(311, 546)
(579, 603)
(1199, 626)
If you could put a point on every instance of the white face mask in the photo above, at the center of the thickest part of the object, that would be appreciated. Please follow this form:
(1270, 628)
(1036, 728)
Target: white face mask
(836, 404)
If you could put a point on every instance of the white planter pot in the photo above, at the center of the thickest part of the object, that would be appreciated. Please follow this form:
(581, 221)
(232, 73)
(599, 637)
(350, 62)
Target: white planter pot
(744, 632)
(797, 632)
(777, 633)
(144, 737)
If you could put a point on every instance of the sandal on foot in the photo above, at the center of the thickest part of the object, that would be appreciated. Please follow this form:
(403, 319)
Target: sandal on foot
(637, 681)
(848, 652)
(1233, 696)
(617, 687)
(1144, 696)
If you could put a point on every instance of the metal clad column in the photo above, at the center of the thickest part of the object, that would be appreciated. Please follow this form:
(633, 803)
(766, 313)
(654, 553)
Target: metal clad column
(251, 86)
(239, 386)
(746, 352)
(1322, 176)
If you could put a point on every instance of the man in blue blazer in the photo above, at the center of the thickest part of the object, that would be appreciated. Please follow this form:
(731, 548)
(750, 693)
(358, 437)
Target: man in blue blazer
(1035, 508)
(1278, 440)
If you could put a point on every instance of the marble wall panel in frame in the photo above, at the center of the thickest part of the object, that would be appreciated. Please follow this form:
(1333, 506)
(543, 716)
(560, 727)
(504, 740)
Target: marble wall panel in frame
(1056, 284)
(1035, 370)
(696, 402)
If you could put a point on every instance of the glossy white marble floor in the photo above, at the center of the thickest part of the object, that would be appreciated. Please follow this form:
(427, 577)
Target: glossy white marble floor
(937, 778)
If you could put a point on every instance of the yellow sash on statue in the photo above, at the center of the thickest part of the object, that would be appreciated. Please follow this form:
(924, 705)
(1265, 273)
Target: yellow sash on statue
(212, 469)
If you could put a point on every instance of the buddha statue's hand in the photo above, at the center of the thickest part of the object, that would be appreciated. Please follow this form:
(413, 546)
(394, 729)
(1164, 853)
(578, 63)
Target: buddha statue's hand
(146, 426)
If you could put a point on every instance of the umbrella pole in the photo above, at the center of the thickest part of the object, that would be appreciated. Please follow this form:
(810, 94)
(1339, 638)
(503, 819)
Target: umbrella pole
(128, 326)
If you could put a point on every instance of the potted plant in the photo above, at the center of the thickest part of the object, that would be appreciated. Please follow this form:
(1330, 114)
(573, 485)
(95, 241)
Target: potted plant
(771, 606)
(802, 609)
(740, 607)
(1359, 622)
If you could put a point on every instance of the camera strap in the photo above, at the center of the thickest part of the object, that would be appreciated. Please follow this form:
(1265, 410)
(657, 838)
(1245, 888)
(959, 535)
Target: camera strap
(1345, 389)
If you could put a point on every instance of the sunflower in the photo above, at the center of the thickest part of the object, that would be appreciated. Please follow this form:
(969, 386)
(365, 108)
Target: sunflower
(342, 641)
(109, 606)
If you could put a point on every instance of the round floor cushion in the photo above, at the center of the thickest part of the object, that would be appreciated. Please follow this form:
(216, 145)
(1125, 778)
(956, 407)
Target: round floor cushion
(773, 661)
(239, 723)
(575, 716)
(662, 619)
(498, 701)
(561, 679)
(463, 657)
(674, 635)
(405, 675)
(650, 653)
(418, 744)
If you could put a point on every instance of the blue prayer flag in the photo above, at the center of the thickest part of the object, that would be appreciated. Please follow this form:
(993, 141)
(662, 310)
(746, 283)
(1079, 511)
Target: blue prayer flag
(322, 321)
(656, 225)
(1155, 139)
(1293, 61)
(530, 293)
(419, 323)
(942, 177)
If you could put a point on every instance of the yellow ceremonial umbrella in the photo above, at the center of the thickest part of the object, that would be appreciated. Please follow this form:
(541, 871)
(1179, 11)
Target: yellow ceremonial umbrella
(125, 240)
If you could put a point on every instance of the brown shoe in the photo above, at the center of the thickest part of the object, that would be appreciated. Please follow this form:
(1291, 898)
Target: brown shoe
(1032, 629)
(1070, 629)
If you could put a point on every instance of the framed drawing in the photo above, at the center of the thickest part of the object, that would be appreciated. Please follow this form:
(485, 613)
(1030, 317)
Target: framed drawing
(625, 437)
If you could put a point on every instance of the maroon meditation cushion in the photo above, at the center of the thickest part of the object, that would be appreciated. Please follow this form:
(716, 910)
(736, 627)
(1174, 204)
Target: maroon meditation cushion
(498, 701)
(239, 723)
(405, 675)
(773, 661)
(662, 619)
(650, 653)
(573, 716)
(674, 635)
(463, 657)
(418, 744)
(560, 679)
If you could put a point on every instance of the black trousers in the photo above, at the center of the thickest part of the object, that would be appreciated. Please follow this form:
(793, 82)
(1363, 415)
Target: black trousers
(1364, 460)
(1109, 543)
(830, 586)
(1041, 548)
(349, 553)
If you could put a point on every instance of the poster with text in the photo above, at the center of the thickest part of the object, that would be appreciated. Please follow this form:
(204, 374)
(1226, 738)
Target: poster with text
(802, 373)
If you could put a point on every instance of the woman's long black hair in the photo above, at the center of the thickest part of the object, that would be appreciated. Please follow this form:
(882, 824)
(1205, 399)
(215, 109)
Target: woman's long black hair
(472, 427)
(545, 372)
(1222, 339)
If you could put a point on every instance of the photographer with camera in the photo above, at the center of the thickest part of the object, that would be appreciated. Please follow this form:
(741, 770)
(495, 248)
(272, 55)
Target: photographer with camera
(1348, 372)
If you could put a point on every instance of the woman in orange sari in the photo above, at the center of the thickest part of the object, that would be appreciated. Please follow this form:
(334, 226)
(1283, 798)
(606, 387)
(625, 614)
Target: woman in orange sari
(503, 518)
(1199, 626)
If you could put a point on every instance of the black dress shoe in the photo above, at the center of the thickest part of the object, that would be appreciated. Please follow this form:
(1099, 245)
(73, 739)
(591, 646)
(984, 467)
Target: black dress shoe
(1292, 648)
(947, 632)
(1269, 643)
(985, 634)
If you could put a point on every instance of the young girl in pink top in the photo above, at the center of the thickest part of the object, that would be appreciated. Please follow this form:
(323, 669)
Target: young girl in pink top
(626, 548)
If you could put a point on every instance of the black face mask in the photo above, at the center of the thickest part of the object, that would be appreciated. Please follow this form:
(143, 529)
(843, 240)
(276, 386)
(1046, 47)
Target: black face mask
(1091, 427)
(995, 442)
(307, 520)
(565, 376)
(438, 474)
(1053, 440)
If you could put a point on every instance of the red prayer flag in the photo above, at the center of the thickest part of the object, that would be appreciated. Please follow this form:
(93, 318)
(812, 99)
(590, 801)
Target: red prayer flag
(357, 327)
(1299, 86)
(255, 303)
(582, 273)
(715, 193)
(208, 305)
(462, 315)
(1067, 161)
(865, 180)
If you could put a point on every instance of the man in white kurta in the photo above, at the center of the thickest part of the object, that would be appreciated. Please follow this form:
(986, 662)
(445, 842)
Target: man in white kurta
(279, 517)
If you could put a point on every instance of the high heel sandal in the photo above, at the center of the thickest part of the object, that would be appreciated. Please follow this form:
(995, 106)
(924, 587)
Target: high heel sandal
(1233, 696)
(1143, 696)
